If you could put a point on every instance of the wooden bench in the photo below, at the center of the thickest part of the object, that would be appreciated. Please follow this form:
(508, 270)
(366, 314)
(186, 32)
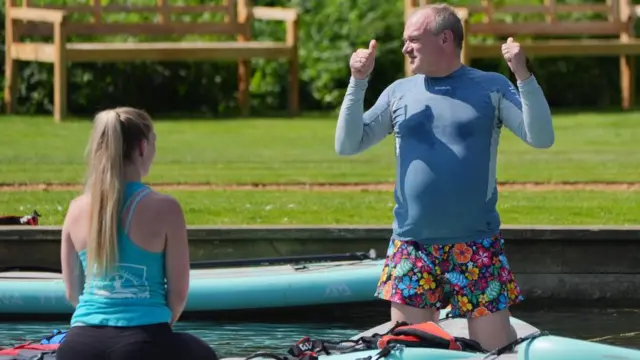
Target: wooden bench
(611, 34)
(232, 18)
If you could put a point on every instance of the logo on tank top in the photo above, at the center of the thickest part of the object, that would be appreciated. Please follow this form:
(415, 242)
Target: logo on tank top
(129, 282)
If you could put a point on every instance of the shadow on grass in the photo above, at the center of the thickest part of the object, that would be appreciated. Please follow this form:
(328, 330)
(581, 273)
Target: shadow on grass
(594, 111)
(191, 117)
(270, 115)
(328, 115)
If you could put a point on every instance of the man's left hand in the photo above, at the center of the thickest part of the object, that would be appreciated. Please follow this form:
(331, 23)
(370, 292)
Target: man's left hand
(516, 59)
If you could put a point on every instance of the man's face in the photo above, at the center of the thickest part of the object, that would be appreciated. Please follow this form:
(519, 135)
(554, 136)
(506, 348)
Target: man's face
(423, 49)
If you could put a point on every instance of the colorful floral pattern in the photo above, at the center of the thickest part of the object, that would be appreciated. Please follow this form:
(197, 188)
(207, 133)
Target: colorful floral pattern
(473, 277)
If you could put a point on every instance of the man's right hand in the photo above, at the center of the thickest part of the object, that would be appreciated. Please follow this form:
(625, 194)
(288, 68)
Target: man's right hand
(362, 61)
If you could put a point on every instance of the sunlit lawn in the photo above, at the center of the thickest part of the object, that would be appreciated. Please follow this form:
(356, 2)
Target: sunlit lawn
(349, 208)
(589, 147)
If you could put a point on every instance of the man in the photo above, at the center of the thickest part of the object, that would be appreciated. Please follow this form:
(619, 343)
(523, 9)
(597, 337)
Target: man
(446, 121)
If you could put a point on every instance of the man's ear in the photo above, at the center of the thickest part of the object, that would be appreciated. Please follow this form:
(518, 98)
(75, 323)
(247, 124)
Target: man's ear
(447, 36)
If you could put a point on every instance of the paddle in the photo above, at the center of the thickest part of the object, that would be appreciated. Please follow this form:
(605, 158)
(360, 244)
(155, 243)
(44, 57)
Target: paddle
(212, 264)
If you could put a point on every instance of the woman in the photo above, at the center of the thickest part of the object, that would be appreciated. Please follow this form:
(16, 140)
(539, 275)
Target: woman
(124, 252)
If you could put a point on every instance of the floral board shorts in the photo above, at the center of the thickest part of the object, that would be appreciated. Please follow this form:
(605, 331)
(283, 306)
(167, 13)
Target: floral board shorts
(473, 277)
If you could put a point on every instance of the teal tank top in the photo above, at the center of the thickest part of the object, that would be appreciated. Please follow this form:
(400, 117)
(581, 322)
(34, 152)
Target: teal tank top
(135, 293)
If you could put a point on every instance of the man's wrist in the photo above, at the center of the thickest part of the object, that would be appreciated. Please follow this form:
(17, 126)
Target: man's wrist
(358, 83)
(522, 75)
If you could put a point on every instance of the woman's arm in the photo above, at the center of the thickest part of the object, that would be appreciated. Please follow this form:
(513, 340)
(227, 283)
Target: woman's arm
(177, 261)
(72, 273)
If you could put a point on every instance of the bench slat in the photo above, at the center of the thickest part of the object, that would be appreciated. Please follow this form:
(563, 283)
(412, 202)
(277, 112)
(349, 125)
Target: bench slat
(556, 8)
(274, 13)
(161, 51)
(563, 48)
(543, 9)
(33, 52)
(544, 28)
(116, 8)
(164, 10)
(176, 51)
(169, 28)
(124, 46)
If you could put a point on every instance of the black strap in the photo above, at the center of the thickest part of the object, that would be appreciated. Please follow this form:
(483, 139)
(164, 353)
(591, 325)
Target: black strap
(470, 345)
(307, 349)
(511, 346)
(384, 352)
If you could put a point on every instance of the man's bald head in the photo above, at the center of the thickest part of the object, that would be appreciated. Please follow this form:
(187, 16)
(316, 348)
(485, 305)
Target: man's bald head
(438, 18)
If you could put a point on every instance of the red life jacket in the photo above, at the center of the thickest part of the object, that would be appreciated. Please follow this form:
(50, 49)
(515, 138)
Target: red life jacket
(427, 334)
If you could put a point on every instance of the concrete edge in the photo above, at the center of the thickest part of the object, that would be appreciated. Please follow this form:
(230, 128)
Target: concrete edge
(328, 233)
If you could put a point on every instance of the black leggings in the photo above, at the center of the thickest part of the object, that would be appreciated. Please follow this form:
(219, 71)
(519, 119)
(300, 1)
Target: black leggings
(149, 342)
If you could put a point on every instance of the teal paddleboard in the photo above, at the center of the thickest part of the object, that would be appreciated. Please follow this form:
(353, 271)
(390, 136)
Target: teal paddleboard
(543, 348)
(233, 288)
(538, 346)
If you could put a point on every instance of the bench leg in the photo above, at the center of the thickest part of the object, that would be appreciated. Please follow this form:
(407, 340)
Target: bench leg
(59, 89)
(627, 81)
(294, 86)
(59, 74)
(407, 67)
(244, 74)
(11, 35)
(10, 83)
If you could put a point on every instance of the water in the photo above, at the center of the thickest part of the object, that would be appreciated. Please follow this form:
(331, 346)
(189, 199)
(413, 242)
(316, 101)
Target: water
(243, 334)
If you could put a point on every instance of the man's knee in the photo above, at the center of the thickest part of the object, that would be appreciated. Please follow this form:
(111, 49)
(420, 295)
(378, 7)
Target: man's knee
(492, 330)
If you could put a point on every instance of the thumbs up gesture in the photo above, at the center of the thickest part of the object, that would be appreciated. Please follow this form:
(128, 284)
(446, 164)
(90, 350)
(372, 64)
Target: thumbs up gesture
(362, 61)
(516, 59)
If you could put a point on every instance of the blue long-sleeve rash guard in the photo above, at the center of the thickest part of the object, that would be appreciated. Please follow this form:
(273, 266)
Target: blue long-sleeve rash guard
(446, 133)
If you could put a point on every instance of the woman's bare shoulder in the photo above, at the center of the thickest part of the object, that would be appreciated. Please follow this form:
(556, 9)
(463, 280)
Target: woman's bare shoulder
(164, 203)
(79, 204)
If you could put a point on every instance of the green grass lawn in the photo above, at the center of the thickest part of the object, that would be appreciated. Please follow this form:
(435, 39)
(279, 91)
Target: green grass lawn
(589, 147)
(359, 208)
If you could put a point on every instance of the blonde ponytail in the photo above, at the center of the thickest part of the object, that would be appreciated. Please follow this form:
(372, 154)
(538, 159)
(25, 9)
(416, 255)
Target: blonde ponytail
(105, 187)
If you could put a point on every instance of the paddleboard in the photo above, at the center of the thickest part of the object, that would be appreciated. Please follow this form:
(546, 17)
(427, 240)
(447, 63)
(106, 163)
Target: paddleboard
(233, 288)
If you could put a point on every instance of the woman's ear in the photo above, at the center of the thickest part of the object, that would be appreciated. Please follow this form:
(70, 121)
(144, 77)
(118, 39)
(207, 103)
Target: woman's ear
(142, 148)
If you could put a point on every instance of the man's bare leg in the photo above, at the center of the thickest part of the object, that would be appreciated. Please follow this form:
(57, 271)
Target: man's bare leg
(493, 330)
(412, 315)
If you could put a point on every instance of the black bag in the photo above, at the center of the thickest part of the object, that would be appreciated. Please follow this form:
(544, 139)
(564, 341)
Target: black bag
(20, 220)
